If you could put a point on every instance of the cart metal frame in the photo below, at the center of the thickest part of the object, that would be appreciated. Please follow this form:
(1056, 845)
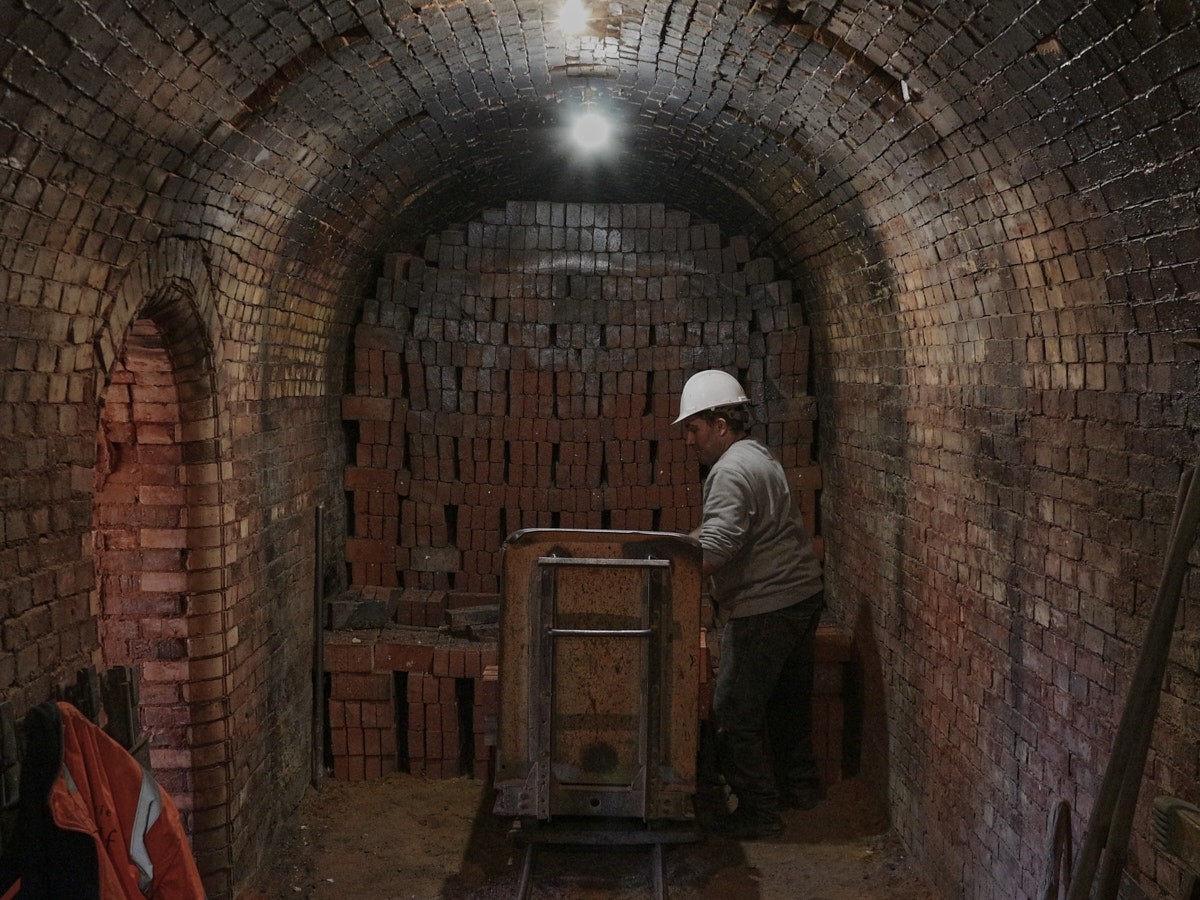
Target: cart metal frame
(599, 673)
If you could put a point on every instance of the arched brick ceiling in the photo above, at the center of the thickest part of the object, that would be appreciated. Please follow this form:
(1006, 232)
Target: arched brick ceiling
(327, 131)
(988, 209)
(730, 111)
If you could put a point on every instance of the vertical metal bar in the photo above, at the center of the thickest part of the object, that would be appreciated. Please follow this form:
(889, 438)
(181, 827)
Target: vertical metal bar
(647, 719)
(10, 758)
(655, 598)
(318, 670)
(660, 880)
(542, 687)
(525, 885)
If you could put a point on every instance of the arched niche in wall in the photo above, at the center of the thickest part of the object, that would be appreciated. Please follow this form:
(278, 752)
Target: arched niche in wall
(141, 546)
(161, 532)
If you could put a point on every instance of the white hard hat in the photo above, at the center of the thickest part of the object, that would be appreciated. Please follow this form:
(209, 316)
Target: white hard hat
(709, 389)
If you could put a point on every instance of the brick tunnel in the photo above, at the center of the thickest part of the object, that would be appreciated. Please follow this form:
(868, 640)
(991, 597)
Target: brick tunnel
(264, 259)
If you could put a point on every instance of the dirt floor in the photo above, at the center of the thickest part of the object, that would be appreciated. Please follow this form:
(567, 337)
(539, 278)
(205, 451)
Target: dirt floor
(411, 838)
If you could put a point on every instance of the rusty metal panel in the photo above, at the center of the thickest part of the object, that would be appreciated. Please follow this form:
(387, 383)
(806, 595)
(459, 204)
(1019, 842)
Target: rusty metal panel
(599, 655)
(599, 674)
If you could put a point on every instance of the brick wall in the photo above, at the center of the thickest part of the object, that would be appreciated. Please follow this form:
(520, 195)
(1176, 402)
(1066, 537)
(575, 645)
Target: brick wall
(987, 207)
(200, 566)
(525, 370)
(1012, 408)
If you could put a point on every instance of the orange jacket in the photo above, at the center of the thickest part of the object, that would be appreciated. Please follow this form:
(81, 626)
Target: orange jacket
(103, 792)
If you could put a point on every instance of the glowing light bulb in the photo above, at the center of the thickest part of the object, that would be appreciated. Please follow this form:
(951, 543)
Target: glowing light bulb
(591, 131)
(574, 17)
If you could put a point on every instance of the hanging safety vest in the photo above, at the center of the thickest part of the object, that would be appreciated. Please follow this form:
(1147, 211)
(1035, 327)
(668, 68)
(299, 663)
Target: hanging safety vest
(99, 792)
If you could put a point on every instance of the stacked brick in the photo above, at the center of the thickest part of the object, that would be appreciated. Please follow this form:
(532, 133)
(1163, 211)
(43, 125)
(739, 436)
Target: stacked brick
(402, 699)
(526, 369)
(833, 672)
(411, 700)
(362, 726)
(372, 606)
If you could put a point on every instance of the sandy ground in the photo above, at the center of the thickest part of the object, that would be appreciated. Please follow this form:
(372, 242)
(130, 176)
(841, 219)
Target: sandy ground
(411, 838)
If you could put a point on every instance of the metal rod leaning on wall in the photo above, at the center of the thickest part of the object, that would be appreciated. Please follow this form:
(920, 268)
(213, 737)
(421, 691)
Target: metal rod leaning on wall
(1107, 837)
(1058, 869)
(318, 735)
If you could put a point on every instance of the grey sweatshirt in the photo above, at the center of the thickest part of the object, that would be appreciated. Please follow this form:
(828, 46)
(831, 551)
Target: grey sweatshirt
(752, 530)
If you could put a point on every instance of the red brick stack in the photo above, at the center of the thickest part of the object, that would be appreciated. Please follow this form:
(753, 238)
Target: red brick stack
(526, 370)
(368, 717)
(362, 726)
(380, 722)
(833, 667)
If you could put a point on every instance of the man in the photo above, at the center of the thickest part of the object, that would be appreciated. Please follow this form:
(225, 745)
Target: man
(767, 587)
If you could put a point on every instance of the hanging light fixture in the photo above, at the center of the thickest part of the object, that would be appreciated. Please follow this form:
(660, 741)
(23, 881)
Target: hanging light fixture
(591, 130)
(573, 18)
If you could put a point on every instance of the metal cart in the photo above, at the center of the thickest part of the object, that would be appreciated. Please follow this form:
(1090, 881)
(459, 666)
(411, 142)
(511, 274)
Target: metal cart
(599, 680)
